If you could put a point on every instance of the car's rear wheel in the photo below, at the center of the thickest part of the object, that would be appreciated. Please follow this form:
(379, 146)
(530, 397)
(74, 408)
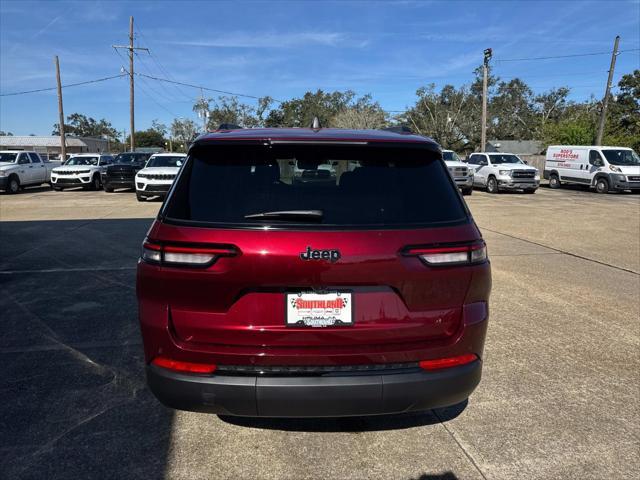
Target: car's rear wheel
(531, 190)
(602, 185)
(554, 181)
(492, 185)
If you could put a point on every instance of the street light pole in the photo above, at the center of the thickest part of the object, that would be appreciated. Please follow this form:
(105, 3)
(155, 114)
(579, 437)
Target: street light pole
(485, 74)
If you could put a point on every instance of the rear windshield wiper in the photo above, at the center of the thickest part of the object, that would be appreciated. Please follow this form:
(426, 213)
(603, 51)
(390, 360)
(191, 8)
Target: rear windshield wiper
(314, 215)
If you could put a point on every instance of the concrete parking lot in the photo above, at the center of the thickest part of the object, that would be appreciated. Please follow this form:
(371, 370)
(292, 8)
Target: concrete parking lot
(558, 399)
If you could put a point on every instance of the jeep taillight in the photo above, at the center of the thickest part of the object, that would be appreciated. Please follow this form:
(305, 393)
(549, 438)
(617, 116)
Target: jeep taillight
(184, 255)
(450, 254)
(187, 367)
(440, 363)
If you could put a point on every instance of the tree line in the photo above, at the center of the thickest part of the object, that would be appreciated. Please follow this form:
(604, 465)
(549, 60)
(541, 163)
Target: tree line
(451, 115)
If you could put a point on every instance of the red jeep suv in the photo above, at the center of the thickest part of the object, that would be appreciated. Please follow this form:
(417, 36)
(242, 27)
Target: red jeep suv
(310, 273)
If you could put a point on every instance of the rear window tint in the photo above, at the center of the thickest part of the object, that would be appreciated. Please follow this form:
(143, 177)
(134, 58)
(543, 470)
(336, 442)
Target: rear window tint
(352, 186)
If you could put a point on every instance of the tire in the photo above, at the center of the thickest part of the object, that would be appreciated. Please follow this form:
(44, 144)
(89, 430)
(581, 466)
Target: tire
(13, 186)
(57, 189)
(602, 185)
(467, 191)
(95, 183)
(492, 185)
(554, 181)
(141, 198)
(108, 189)
(531, 190)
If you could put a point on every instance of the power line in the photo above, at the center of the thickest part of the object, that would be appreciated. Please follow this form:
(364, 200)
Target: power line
(63, 86)
(161, 68)
(510, 76)
(169, 96)
(143, 88)
(564, 56)
(205, 88)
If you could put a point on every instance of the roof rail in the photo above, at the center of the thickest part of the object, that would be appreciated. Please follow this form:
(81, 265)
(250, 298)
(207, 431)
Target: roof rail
(229, 126)
(401, 129)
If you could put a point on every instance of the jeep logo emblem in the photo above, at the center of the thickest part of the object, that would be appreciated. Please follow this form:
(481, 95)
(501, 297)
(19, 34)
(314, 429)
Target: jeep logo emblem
(311, 254)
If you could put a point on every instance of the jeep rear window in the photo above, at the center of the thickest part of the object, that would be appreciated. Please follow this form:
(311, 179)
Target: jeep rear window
(352, 187)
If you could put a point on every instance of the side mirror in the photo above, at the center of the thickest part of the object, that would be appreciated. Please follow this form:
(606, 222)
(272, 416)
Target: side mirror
(595, 163)
(292, 163)
(525, 162)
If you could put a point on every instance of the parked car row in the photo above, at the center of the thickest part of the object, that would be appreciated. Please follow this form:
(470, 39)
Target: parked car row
(149, 175)
(602, 168)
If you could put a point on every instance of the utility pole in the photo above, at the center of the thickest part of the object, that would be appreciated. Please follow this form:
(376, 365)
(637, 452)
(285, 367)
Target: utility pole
(485, 74)
(63, 140)
(132, 50)
(605, 100)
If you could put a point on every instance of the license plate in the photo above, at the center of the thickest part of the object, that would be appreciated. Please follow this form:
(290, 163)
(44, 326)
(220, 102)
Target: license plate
(319, 309)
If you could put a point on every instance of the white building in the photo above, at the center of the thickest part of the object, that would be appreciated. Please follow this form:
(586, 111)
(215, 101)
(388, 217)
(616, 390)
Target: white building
(51, 144)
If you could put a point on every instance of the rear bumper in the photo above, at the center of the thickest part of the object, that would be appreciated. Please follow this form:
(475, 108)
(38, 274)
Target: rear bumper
(333, 395)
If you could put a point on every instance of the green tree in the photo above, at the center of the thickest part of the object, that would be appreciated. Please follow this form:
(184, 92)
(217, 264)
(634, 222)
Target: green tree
(550, 107)
(231, 110)
(148, 138)
(444, 115)
(511, 113)
(228, 109)
(363, 114)
(183, 132)
(6, 134)
(83, 126)
(571, 131)
(300, 112)
(161, 128)
(623, 122)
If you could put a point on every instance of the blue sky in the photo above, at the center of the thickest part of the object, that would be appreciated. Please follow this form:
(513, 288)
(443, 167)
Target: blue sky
(282, 49)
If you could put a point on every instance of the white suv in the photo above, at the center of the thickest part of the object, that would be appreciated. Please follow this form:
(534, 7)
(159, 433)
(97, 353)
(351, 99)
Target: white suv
(156, 178)
(503, 171)
(81, 170)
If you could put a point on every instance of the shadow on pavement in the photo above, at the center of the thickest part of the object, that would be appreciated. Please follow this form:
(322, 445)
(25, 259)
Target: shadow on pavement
(72, 377)
(351, 424)
(436, 476)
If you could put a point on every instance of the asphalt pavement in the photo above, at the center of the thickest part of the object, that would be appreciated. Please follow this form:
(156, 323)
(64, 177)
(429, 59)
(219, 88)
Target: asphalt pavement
(558, 398)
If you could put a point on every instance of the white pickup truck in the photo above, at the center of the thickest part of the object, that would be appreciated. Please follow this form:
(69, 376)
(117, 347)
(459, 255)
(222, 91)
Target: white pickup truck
(19, 169)
(503, 171)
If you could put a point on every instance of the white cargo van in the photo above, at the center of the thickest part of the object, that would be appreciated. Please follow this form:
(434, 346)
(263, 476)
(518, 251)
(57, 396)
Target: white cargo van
(605, 168)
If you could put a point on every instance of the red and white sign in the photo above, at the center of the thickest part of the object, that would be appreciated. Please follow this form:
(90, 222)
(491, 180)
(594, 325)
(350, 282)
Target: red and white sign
(565, 154)
(319, 309)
